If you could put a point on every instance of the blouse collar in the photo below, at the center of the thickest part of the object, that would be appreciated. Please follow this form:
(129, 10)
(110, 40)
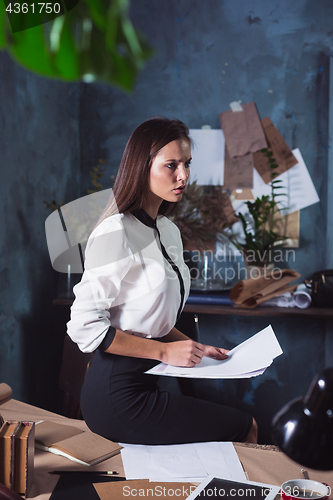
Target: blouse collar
(143, 217)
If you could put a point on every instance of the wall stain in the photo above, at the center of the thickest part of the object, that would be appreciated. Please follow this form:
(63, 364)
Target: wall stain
(253, 20)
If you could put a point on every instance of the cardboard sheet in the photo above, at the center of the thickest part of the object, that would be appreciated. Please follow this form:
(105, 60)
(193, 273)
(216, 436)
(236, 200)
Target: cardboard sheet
(274, 467)
(242, 130)
(288, 226)
(280, 149)
(238, 171)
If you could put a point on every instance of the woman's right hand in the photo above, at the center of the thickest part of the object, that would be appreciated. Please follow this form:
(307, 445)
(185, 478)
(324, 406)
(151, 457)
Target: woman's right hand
(186, 353)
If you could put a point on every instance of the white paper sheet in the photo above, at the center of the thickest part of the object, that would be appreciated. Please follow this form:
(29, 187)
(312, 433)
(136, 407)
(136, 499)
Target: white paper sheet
(246, 360)
(193, 461)
(207, 166)
(298, 187)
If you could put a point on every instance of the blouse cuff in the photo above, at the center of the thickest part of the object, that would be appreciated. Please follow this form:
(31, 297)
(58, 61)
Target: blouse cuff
(108, 339)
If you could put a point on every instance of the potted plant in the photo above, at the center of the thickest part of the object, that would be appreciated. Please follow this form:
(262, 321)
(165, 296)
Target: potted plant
(260, 238)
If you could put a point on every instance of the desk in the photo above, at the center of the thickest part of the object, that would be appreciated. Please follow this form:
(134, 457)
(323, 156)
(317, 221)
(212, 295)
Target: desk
(262, 463)
(44, 483)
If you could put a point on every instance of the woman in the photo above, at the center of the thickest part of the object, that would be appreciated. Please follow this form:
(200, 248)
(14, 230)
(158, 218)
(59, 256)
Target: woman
(131, 294)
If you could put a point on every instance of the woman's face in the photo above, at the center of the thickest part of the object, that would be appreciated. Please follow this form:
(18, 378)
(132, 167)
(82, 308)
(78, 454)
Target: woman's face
(170, 171)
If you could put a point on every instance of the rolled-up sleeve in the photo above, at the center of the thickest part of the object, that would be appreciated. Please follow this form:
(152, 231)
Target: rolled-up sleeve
(107, 261)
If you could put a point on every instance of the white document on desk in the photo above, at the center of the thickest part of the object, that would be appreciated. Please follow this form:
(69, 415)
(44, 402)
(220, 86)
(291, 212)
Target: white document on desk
(249, 359)
(179, 462)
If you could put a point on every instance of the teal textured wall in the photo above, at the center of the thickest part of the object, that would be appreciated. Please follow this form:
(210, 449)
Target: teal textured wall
(275, 53)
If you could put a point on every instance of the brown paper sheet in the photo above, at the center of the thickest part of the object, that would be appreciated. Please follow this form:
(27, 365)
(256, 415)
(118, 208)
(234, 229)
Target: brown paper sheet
(253, 291)
(70, 441)
(280, 149)
(274, 467)
(288, 225)
(228, 209)
(143, 488)
(242, 130)
(242, 194)
(238, 171)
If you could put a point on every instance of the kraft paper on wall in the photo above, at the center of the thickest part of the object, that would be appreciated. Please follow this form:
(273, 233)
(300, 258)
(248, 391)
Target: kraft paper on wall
(280, 149)
(288, 226)
(242, 130)
(238, 171)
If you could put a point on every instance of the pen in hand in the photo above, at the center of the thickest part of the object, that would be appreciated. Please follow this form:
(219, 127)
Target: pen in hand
(196, 321)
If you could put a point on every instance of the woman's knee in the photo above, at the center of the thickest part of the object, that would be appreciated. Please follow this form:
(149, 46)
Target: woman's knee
(252, 436)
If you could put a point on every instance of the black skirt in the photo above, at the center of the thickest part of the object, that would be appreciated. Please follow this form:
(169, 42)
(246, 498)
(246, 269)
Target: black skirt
(122, 403)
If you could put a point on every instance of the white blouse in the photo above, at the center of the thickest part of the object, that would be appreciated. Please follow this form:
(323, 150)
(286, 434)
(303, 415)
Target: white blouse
(135, 279)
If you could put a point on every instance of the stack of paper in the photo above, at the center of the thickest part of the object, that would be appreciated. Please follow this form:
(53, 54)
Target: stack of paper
(249, 359)
(182, 462)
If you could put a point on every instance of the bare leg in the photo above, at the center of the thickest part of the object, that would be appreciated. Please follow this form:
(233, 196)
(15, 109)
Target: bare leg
(252, 436)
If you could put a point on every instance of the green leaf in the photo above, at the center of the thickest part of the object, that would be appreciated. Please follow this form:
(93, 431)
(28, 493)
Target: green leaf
(97, 13)
(3, 23)
(93, 41)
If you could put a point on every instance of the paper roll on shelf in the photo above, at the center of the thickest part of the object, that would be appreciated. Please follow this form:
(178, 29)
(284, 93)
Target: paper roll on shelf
(302, 297)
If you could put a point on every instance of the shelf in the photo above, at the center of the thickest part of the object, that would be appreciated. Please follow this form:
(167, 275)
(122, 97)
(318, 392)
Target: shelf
(311, 312)
(314, 312)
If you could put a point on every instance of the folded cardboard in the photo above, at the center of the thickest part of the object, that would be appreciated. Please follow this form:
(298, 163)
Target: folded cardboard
(251, 292)
(86, 448)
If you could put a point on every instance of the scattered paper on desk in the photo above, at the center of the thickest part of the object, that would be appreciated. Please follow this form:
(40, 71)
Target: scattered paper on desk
(179, 462)
(298, 187)
(207, 165)
(246, 360)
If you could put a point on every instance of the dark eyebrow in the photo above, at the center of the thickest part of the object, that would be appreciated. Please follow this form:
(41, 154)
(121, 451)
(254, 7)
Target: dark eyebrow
(178, 161)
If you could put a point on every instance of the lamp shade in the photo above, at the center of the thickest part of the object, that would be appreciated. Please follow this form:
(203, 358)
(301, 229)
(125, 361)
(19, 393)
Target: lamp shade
(303, 429)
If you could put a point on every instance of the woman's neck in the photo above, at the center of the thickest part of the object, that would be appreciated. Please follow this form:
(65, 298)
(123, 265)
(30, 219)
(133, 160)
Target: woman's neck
(152, 206)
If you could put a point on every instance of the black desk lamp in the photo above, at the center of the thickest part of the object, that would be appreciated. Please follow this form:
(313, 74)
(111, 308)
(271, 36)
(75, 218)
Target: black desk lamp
(303, 429)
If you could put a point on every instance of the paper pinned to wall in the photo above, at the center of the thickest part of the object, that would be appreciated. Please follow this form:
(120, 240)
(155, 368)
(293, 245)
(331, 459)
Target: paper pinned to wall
(280, 149)
(207, 166)
(288, 226)
(238, 171)
(298, 187)
(243, 132)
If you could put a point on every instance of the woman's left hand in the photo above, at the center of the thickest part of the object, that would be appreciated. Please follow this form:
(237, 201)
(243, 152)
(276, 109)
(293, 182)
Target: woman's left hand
(215, 352)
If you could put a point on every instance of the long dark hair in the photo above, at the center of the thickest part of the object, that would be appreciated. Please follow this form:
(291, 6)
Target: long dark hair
(131, 187)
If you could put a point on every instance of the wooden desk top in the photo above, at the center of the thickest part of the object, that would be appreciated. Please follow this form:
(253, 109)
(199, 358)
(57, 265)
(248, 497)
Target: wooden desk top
(262, 463)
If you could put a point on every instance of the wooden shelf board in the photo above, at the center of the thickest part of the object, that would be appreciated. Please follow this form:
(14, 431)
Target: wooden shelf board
(314, 312)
